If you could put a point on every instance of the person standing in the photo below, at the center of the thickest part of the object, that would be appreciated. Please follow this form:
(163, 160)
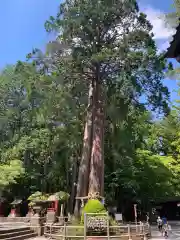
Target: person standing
(164, 220)
(159, 223)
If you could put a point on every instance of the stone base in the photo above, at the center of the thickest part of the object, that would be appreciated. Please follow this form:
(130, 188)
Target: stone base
(36, 224)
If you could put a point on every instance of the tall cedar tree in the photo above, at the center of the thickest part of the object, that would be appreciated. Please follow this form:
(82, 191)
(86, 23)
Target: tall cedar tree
(107, 39)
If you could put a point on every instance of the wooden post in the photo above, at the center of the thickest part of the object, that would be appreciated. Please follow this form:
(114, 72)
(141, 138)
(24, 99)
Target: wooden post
(149, 229)
(85, 225)
(62, 210)
(82, 202)
(69, 217)
(129, 232)
(144, 232)
(135, 212)
(135, 216)
(50, 230)
(108, 234)
(65, 230)
(141, 227)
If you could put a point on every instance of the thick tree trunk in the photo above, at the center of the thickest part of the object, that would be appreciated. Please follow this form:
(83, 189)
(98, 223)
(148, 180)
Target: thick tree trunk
(96, 177)
(83, 177)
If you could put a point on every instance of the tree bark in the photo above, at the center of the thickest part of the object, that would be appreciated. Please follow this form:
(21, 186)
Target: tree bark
(96, 177)
(83, 176)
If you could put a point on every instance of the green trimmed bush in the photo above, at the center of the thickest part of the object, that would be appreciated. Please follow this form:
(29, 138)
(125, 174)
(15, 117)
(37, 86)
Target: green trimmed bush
(93, 206)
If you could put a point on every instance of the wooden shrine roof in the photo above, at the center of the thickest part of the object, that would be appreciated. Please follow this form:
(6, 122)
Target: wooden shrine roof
(174, 49)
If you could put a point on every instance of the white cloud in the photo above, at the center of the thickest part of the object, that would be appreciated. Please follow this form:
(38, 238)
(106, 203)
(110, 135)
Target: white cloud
(156, 17)
(162, 34)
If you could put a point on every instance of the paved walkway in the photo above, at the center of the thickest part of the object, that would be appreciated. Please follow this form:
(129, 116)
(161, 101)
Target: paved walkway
(174, 234)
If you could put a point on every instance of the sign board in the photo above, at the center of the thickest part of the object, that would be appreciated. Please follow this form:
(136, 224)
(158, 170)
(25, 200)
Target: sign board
(97, 222)
(118, 216)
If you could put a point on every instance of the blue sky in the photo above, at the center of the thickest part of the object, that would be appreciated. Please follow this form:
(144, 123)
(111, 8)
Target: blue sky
(22, 27)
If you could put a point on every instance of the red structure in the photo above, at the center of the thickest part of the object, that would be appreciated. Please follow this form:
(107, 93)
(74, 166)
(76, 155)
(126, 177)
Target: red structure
(53, 206)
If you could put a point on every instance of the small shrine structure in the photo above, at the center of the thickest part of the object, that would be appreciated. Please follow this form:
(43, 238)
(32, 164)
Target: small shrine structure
(56, 206)
(15, 209)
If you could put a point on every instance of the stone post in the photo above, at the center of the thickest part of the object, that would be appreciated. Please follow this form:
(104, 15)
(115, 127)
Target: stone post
(37, 222)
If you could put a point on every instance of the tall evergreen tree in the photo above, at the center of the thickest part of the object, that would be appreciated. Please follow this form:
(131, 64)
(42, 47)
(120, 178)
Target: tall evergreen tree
(109, 44)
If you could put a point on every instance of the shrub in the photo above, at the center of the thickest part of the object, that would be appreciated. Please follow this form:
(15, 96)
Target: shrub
(96, 224)
(37, 196)
(93, 206)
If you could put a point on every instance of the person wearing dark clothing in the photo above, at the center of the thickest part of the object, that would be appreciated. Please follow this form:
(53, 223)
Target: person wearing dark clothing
(164, 220)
